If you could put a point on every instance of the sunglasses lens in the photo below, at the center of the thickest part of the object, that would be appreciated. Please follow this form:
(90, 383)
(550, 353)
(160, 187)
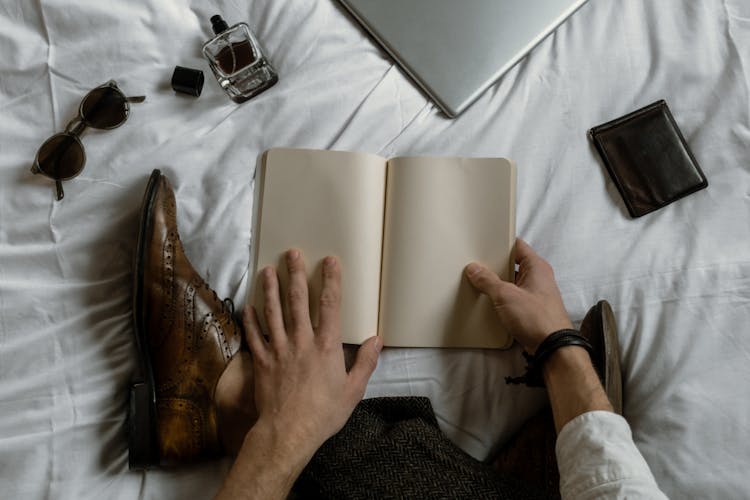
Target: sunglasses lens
(104, 107)
(61, 157)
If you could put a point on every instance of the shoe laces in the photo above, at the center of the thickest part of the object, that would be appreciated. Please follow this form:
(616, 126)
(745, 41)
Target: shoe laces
(226, 304)
(229, 305)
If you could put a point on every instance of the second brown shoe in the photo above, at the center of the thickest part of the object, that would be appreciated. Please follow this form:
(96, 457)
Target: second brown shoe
(600, 329)
(185, 337)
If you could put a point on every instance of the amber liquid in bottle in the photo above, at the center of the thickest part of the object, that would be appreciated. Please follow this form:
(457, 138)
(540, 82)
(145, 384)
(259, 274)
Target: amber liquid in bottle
(237, 61)
(235, 57)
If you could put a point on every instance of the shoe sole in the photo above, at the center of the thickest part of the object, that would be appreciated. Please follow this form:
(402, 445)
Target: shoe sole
(612, 372)
(143, 451)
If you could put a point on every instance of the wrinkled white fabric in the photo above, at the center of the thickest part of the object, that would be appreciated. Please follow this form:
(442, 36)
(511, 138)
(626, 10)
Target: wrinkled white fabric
(678, 279)
(598, 459)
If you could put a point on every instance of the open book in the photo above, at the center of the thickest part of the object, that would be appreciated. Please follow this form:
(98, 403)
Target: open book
(403, 230)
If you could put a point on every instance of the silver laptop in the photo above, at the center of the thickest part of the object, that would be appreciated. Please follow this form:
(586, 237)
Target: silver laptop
(455, 49)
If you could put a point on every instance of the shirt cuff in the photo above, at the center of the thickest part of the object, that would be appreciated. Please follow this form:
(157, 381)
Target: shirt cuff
(598, 459)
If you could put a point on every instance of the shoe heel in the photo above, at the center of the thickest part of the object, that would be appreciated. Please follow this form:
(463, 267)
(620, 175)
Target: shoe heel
(142, 445)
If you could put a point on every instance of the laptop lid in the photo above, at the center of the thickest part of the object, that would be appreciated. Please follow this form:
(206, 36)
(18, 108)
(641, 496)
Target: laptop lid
(455, 49)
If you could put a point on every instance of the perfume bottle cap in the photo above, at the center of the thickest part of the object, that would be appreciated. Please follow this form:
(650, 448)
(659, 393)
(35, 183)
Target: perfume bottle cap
(187, 80)
(218, 24)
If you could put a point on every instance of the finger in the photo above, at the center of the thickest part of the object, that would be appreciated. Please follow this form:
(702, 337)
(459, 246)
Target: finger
(299, 305)
(272, 308)
(531, 265)
(253, 336)
(487, 282)
(523, 248)
(525, 255)
(330, 299)
(364, 366)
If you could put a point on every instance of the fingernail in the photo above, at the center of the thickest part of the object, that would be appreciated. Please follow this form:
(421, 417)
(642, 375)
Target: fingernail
(472, 269)
(268, 272)
(378, 344)
(292, 255)
(330, 262)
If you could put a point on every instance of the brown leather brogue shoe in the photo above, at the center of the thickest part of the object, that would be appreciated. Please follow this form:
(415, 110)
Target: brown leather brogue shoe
(185, 336)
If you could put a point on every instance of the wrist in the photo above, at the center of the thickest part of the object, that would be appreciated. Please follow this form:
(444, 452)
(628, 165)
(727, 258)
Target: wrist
(268, 463)
(572, 384)
(537, 339)
(290, 443)
(534, 376)
(571, 358)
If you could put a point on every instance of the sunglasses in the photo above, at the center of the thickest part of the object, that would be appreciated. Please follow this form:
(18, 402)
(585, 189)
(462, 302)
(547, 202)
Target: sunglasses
(62, 156)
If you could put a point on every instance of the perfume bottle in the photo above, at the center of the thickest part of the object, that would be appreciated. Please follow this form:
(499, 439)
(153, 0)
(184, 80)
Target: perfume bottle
(237, 61)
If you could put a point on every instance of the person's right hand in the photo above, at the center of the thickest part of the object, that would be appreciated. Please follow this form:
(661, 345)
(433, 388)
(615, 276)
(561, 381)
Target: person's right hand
(532, 308)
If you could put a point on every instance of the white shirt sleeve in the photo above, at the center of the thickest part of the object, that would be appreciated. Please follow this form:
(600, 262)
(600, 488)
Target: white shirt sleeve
(598, 459)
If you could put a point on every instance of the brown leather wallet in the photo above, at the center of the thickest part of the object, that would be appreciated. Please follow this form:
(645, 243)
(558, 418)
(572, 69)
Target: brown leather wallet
(648, 158)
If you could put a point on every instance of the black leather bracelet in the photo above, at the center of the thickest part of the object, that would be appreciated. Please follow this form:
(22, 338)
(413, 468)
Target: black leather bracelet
(561, 338)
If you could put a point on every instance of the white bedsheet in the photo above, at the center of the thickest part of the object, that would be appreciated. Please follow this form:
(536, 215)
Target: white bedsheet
(678, 279)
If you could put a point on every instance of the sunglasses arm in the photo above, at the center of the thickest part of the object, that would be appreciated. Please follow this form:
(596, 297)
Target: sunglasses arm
(136, 98)
(60, 192)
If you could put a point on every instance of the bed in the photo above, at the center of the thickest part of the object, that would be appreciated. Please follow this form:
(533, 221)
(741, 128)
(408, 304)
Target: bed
(678, 279)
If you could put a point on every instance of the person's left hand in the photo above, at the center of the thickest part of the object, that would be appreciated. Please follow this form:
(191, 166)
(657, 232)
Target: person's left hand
(302, 388)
